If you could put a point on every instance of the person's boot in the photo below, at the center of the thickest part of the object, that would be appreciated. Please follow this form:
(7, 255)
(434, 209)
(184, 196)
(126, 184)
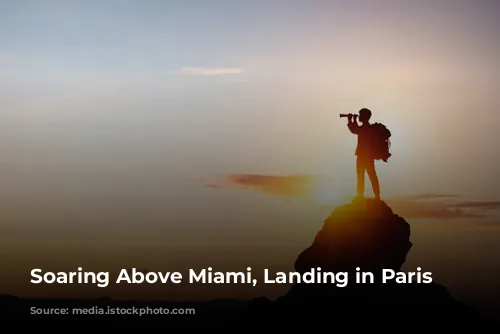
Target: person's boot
(358, 197)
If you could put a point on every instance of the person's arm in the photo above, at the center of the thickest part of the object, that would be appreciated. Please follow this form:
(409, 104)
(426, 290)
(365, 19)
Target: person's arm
(352, 124)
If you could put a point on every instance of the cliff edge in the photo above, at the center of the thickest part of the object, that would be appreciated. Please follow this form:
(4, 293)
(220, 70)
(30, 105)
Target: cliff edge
(365, 236)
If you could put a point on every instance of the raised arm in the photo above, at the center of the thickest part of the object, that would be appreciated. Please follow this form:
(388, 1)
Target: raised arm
(352, 124)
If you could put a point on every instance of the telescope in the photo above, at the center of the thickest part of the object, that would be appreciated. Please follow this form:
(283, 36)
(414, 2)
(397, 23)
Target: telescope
(348, 115)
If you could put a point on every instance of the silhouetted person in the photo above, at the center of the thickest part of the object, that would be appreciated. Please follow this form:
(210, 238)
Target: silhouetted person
(365, 159)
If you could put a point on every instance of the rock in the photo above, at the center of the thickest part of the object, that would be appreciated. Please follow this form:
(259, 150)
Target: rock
(365, 234)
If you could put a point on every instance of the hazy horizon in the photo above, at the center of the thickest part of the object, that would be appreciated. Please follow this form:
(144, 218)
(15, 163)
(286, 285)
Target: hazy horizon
(169, 134)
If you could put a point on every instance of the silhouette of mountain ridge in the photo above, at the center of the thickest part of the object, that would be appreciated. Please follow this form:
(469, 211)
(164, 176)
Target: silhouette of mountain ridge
(364, 234)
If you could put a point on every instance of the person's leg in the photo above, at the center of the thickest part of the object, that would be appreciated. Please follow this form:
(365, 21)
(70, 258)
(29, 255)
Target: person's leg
(360, 173)
(372, 174)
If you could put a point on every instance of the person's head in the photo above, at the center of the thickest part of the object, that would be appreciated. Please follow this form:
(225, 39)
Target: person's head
(364, 115)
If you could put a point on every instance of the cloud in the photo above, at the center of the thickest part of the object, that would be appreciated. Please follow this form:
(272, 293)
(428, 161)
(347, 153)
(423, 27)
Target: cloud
(286, 186)
(195, 179)
(436, 209)
(428, 196)
(277, 185)
(211, 71)
(419, 206)
(476, 226)
(214, 186)
(480, 205)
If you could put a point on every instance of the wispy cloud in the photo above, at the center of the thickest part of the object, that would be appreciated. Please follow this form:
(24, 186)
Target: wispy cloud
(211, 71)
(480, 225)
(214, 186)
(277, 185)
(420, 206)
(290, 185)
(195, 179)
(431, 209)
(480, 205)
(428, 196)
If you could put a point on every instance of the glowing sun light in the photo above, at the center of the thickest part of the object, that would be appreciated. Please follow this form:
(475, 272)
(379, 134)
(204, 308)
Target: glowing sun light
(325, 193)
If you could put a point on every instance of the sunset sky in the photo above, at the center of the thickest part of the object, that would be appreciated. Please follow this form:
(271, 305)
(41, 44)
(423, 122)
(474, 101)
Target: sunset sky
(171, 133)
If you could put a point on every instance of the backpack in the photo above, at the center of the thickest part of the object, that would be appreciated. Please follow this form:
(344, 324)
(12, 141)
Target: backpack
(380, 142)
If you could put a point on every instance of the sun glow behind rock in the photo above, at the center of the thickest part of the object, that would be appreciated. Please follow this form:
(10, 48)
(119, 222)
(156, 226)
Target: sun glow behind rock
(326, 193)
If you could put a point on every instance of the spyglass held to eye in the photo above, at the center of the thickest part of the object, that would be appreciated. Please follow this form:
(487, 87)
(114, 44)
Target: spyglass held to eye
(348, 115)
